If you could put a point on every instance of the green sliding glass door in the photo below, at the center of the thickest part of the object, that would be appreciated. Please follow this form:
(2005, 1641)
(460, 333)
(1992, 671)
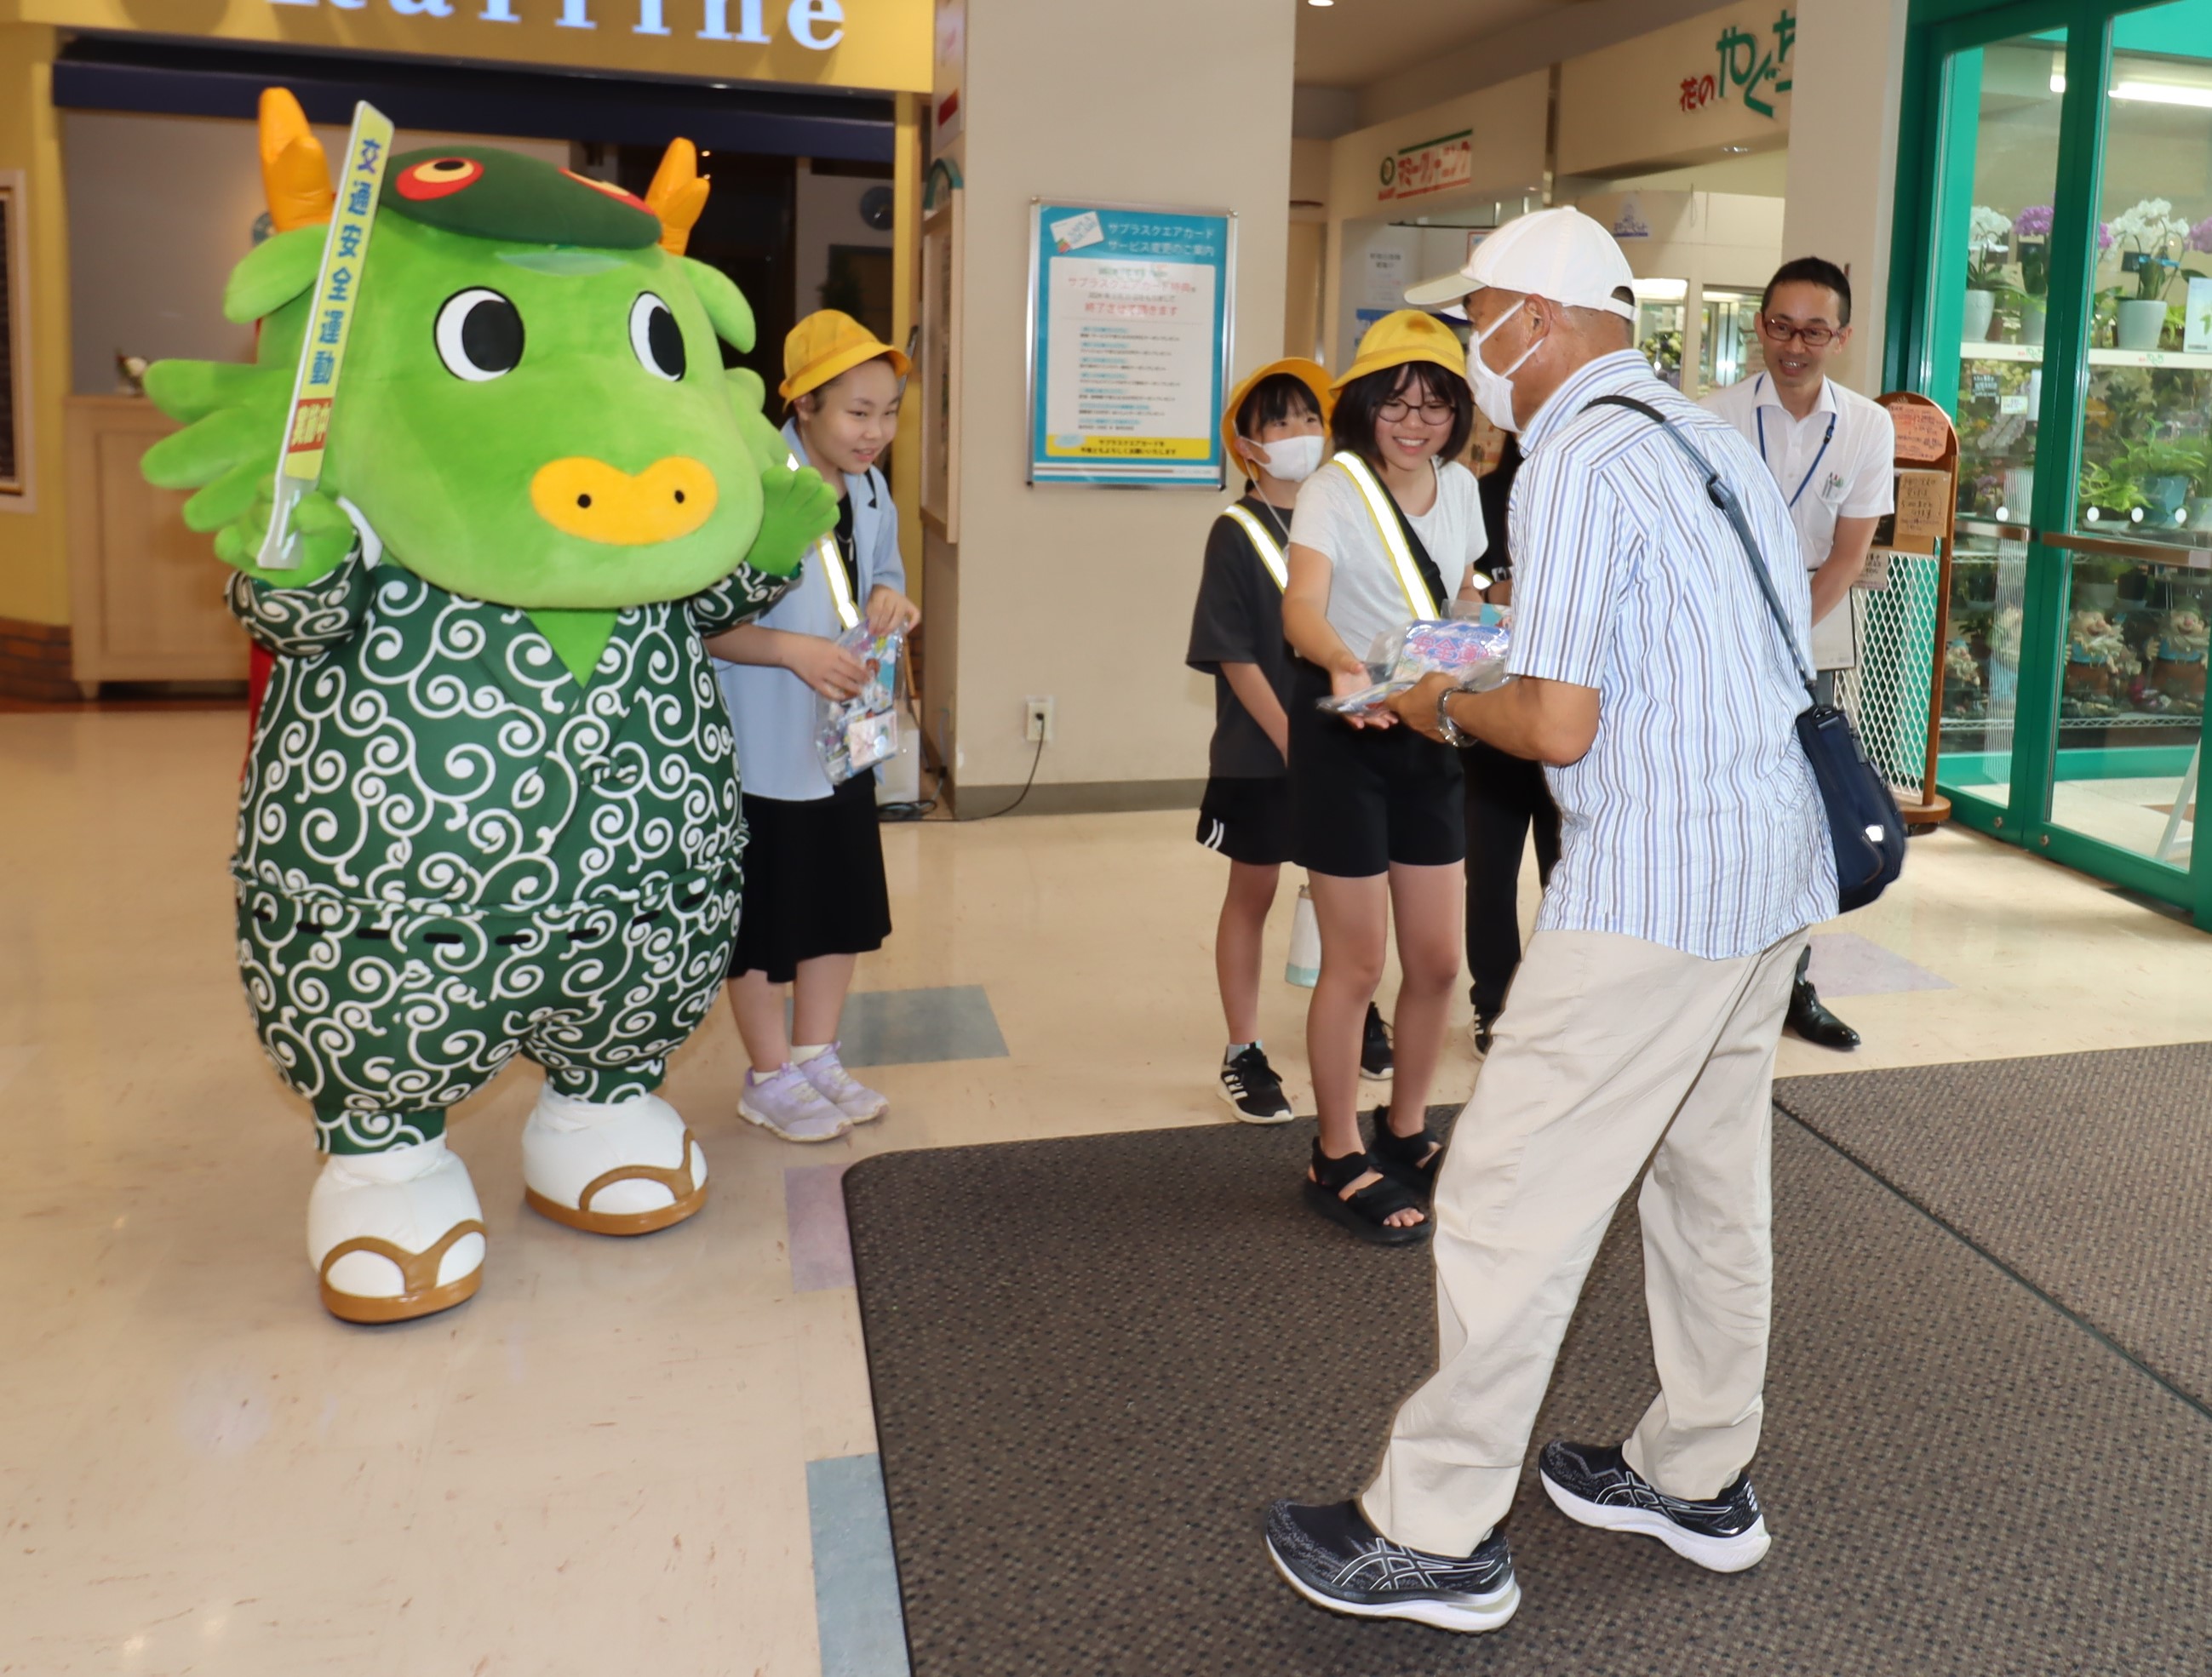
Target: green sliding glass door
(2053, 289)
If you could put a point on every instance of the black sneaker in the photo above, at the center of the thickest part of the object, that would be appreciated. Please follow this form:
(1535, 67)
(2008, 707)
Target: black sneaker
(1253, 1090)
(1481, 1031)
(1595, 1484)
(1331, 1556)
(1374, 1062)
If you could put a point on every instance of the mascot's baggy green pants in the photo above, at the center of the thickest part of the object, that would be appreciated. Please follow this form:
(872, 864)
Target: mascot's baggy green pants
(491, 808)
(416, 906)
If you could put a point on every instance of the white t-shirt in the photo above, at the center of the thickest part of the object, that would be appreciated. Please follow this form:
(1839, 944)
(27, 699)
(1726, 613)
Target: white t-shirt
(1850, 474)
(1365, 597)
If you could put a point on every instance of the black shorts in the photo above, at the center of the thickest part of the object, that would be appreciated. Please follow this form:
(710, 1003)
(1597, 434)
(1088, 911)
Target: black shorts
(1361, 798)
(1246, 818)
(814, 881)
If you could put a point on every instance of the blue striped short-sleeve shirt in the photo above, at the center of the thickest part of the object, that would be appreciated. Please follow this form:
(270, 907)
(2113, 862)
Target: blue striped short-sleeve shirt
(1693, 820)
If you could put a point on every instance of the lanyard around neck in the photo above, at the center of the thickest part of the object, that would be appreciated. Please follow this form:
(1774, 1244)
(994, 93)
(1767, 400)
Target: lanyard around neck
(1759, 414)
(833, 572)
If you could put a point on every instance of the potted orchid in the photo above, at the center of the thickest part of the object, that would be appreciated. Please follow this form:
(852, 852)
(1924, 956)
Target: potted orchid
(2032, 227)
(1989, 234)
(2148, 234)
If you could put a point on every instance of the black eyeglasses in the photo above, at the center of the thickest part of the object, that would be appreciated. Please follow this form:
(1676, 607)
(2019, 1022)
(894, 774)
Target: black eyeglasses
(1781, 331)
(1431, 413)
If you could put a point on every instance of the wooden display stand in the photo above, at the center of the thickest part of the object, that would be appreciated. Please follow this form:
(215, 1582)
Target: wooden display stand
(1926, 511)
(146, 593)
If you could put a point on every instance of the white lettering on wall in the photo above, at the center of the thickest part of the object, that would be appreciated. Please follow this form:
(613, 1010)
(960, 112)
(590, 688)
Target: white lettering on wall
(716, 23)
(816, 25)
(806, 18)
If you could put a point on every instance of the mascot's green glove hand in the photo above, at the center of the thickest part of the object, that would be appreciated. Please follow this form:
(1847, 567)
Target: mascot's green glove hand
(325, 535)
(797, 510)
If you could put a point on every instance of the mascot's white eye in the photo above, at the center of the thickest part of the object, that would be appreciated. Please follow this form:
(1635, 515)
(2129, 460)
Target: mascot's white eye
(657, 339)
(479, 335)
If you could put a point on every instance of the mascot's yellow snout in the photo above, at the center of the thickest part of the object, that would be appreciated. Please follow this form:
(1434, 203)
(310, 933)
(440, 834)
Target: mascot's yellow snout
(581, 496)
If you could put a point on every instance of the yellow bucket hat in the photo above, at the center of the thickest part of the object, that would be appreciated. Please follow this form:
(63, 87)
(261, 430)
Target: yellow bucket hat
(825, 345)
(1406, 335)
(1310, 374)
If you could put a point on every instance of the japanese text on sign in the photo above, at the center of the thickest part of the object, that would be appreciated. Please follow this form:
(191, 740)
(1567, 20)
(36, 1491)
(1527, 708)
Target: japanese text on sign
(1756, 69)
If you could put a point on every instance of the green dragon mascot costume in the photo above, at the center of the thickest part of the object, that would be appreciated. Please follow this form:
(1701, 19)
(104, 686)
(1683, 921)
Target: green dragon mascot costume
(491, 806)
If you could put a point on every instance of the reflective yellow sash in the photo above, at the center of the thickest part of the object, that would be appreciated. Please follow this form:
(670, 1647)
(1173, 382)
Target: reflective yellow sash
(833, 572)
(1264, 544)
(1419, 600)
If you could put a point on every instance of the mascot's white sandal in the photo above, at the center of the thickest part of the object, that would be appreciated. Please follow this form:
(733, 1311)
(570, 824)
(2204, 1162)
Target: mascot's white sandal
(395, 1235)
(625, 1167)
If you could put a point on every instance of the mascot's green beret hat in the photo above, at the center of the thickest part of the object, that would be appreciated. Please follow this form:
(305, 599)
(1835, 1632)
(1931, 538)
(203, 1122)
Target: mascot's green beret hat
(488, 193)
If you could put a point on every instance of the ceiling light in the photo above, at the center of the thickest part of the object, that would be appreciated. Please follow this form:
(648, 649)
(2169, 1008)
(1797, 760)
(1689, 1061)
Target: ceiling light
(1733, 150)
(1320, 2)
(2165, 93)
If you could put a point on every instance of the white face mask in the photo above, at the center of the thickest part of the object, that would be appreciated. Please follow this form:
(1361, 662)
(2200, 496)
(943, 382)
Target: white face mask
(1292, 459)
(1494, 391)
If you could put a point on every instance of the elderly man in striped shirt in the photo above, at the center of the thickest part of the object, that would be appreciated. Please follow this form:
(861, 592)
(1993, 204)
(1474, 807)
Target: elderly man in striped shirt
(1652, 683)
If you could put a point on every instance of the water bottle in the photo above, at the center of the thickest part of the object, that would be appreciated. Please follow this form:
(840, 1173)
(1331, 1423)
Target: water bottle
(1304, 968)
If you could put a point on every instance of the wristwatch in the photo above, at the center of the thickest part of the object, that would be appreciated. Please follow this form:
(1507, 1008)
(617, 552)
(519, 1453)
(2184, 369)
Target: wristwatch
(1454, 734)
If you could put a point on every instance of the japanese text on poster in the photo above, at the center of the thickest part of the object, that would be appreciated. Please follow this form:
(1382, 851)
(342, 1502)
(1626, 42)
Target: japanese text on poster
(1129, 361)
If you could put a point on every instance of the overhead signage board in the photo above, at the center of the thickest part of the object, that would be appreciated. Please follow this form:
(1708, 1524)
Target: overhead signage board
(1130, 320)
(880, 44)
(1431, 166)
(1719, 80)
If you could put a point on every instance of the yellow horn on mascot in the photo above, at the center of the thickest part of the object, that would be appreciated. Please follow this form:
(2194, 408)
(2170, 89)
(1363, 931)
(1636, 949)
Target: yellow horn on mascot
(296, 176)
(678, 195)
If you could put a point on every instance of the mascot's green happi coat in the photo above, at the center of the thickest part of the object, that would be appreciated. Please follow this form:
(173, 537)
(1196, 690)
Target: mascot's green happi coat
(491, 806)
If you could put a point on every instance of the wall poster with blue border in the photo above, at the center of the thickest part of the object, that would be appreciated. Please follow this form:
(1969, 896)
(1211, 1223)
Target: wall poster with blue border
(1131, 316)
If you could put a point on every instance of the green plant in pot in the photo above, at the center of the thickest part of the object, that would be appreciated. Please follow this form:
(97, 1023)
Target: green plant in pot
(2107, 495)
(2032, 232)
(2148, 236)
(2165, 472)
(1989, 234)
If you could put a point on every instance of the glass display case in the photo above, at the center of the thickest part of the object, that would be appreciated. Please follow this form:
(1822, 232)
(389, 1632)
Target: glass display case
(1730, 351)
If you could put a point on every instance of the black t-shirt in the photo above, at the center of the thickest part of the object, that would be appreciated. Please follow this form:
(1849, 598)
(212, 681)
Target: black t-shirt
(845, 544)
(1239, 620)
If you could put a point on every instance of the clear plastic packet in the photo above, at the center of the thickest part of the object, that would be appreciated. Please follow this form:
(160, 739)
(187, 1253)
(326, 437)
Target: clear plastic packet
(1470, 651)
(854, 735)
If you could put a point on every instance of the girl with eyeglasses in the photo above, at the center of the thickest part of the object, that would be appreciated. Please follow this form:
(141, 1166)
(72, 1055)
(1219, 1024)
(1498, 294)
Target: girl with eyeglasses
(1389, 532)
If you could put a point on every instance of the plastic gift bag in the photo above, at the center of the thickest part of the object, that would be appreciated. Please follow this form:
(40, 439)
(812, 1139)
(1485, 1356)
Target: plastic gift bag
(1470, 651)
(856, 734)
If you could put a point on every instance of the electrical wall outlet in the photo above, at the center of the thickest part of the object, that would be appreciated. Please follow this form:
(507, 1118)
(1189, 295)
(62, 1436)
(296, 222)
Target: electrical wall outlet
(1036, 720)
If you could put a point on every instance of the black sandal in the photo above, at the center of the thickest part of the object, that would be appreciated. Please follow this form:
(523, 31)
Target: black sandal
(1366, 1213)
(1412, 1161)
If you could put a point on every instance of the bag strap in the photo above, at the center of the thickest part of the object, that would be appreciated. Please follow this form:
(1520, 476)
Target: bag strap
(833, 571)
(1723, 497)
(1264, 544)
(1419, 579)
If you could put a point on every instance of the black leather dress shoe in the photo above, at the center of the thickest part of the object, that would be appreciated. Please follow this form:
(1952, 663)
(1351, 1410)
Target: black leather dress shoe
(1810, 1018)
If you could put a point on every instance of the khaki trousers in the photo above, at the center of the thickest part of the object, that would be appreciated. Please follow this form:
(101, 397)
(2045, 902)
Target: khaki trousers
(1609, 1048)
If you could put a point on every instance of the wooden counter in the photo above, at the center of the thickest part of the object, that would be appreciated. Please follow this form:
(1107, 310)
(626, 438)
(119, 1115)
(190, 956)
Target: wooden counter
(146, 593)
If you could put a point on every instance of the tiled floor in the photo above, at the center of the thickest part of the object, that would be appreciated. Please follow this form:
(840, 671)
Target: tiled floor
(658, 1455)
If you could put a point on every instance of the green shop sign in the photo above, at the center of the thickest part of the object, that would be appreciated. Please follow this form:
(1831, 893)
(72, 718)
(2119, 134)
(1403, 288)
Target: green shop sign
(1754, 69)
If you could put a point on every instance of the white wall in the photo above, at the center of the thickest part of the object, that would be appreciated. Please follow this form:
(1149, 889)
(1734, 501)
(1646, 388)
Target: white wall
(1843, 158)
(1085, 594)
(160, 209)
(828, 213)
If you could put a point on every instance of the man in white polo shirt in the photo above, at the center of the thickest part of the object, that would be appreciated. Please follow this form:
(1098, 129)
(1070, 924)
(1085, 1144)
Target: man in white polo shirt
(1833, 454)
(1652, 682)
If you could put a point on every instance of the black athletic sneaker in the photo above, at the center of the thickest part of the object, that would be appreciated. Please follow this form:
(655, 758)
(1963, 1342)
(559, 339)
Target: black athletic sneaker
(1595, 1484)
(1481, 1031)
(1331, 1556)
(1374, 1062)
(1253, 1090)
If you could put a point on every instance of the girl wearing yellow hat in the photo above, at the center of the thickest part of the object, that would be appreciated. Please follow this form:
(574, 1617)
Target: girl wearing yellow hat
(1388, 533)
(815, 899)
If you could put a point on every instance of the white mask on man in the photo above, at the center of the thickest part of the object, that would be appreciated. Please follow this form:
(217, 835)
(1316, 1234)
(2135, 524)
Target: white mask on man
(1494, 391)
(1291, 459)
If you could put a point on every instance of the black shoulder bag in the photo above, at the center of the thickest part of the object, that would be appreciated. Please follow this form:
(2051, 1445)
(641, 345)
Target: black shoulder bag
(1863, 825)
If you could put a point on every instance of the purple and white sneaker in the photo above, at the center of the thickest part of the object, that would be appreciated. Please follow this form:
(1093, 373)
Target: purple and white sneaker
(838, 1087)
(786, 1102)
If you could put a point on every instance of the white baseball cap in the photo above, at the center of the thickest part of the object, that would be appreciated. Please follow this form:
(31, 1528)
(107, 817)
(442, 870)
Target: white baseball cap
(1558, 253)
